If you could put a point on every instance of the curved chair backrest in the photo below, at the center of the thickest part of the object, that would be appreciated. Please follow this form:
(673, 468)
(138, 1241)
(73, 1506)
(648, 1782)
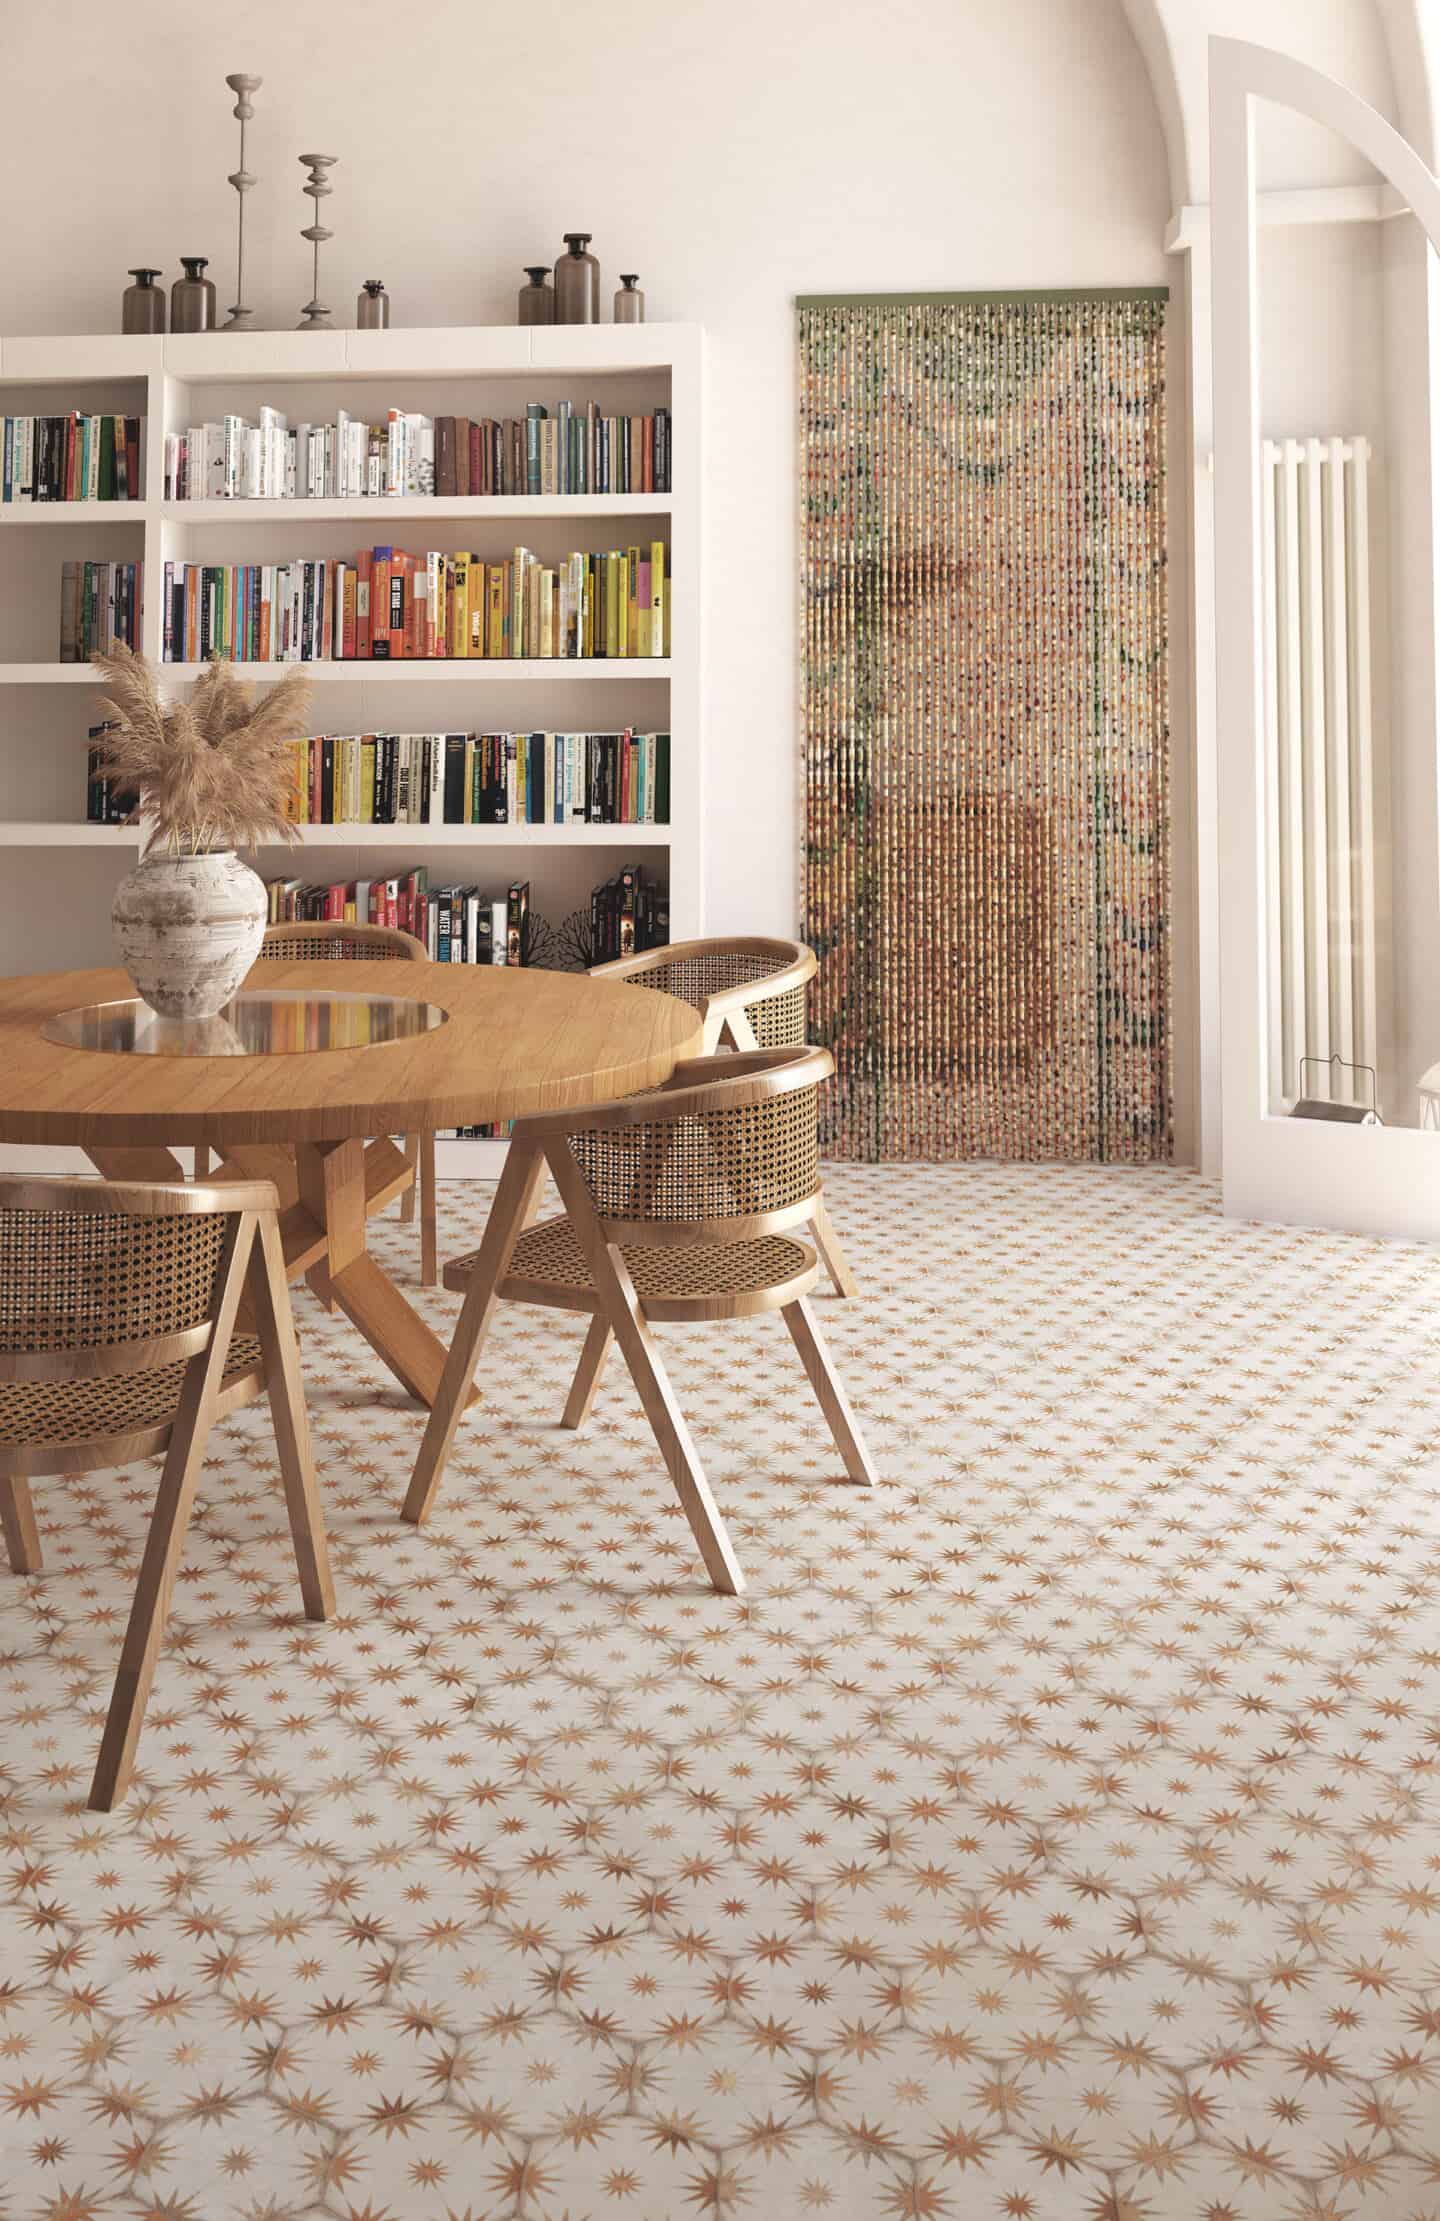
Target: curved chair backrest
(111, 1276)
(333, 939)
(728, 1149)
(710, 974)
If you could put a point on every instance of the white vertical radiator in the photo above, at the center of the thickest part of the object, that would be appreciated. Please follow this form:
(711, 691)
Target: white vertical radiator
(1319, 788)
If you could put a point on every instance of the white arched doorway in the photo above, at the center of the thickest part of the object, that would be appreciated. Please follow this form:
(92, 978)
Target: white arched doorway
(1318, 1171)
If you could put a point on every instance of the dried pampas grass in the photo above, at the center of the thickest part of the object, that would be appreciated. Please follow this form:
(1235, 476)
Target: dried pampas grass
(213, 772)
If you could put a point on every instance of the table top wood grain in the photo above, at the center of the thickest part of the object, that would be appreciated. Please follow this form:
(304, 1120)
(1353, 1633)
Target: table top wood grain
(515, 1041)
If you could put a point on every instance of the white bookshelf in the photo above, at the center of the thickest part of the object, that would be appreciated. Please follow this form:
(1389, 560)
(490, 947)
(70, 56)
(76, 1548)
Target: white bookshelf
(60, 872)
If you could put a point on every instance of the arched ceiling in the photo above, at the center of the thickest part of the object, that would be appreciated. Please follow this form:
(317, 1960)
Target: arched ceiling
(1388, 51)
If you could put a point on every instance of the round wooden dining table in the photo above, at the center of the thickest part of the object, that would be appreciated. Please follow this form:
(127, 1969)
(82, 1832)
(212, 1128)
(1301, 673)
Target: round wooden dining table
(307, 1076)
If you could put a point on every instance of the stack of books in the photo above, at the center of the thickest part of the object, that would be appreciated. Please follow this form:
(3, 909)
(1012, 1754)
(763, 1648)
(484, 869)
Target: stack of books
(567, 452)
(99, 604)
(389, 605)
(615, 778)
(71, 458)
(105, 802)
(628, 914)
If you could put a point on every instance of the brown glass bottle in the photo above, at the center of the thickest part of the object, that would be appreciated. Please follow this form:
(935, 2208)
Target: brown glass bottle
(535, 303)
(192, 298)
(577, 282)
(142, 306)
(629, 300)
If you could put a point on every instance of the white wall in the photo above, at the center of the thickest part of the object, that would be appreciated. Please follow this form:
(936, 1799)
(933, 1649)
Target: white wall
(733, 155)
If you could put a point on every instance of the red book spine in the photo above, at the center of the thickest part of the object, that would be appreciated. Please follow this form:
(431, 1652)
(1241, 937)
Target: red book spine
(347, 633)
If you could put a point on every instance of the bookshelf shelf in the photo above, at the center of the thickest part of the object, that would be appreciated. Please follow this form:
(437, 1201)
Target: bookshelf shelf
(463, 837)
(75, 512)
(468, 670)
(48, 674)
(58, 916)
(44, 833)
(375, 511)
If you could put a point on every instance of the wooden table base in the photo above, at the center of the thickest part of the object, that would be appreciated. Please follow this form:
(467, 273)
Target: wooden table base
(328, 1191)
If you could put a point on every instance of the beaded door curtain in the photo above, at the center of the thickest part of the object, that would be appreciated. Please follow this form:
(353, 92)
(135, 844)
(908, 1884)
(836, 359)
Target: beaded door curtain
(986, 862)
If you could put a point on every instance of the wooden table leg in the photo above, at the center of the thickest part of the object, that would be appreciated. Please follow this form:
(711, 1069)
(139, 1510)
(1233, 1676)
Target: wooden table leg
(136, 1164)
(333, 1190)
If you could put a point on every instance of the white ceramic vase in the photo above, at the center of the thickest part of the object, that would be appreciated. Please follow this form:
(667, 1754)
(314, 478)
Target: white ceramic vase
(188, 929)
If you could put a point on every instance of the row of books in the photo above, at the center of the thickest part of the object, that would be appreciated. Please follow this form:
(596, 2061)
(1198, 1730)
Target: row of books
(71, 458)
(616, 778)
(465, 925)
(389, 605)
(106, 803)
(457, 924)
(627, 914)
(99, 604)
(232, 458)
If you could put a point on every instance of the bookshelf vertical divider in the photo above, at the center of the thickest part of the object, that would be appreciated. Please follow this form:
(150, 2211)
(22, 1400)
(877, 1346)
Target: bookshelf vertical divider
(181, 378)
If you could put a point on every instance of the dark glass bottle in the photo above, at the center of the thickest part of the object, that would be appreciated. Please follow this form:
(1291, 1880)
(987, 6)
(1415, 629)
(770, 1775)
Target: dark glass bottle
(577, 282)
(629, 301)
(536, 302)
(372, 307)
(142, 307)
(192, 298)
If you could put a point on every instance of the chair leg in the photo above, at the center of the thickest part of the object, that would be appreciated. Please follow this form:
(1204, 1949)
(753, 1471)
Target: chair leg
(202, 1161)
(412, 1158)
(22, 1536)
(829, 1393)
(524, 1171)
(429, 1244)
(832, 1255)
(174, 1500)
(617, 1299)
(275, 1326)
(587, 1373)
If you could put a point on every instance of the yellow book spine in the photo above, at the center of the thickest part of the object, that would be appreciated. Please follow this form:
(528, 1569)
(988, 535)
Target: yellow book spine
(657, 598)
(367, 780)
(460, 604)
(614, 642)
(495, 582)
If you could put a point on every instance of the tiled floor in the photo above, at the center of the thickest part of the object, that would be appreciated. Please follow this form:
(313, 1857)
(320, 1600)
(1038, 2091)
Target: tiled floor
(1054, 1833)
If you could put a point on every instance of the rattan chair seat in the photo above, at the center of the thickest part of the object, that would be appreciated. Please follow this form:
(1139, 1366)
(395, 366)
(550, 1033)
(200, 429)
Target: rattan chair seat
(705, 1280)
(56, 1412)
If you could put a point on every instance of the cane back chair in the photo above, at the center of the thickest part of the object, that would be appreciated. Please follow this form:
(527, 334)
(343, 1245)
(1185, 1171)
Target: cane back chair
(680, 1204)
(119, 1303)
(751, 994)
(373, 944)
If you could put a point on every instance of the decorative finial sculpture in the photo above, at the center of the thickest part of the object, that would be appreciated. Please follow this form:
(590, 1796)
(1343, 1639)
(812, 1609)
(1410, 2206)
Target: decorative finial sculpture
(316, 317)
(242, 86)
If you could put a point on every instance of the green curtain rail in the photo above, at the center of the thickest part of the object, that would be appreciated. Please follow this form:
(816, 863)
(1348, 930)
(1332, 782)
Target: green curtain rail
(944, 300)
